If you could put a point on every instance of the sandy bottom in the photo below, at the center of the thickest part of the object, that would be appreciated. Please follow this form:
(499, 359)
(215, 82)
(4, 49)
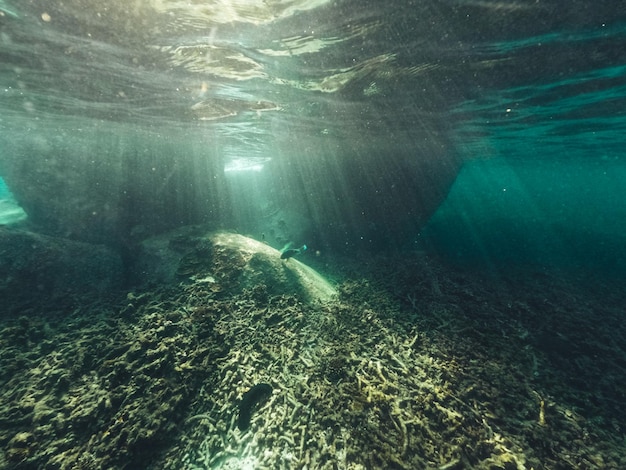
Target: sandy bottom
(414, 365)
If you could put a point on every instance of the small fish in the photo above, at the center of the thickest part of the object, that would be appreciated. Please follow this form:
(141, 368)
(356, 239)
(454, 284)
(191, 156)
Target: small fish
(287, 252)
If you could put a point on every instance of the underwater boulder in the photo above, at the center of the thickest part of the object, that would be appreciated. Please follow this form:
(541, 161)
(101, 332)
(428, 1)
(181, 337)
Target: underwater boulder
(378, 195)
(110, 184)
(364, 187)
(227, 263)
(36, 268)
(346, 195)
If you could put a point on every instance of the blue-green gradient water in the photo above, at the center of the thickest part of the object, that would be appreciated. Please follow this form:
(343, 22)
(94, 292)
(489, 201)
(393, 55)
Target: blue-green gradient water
(339, 124)
(545, 178)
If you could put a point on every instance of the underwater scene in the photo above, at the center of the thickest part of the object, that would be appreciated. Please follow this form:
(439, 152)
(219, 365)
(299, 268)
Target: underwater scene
(312, 234)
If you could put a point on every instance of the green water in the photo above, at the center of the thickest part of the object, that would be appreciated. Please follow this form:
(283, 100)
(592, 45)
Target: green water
(544, 181)
(568, 213)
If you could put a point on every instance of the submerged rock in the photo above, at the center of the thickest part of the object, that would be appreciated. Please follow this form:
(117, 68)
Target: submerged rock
(228, 263)
(102, 184)
(36, 267)
(116, 185)
(10, 212)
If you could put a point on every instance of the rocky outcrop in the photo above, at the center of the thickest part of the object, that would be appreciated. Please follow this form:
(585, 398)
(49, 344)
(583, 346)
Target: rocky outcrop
(36, 268)
(226, 263)
(107, 185)
(101, 184)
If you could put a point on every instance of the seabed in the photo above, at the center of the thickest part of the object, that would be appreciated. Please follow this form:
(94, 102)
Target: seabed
(410, 364)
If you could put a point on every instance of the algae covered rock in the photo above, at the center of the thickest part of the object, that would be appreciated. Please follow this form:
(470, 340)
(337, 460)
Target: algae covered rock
(228, 263)
(36, 267)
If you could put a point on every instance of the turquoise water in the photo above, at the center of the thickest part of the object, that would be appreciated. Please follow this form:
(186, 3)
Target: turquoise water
(555, 213)
(10, 211)
(543, 183)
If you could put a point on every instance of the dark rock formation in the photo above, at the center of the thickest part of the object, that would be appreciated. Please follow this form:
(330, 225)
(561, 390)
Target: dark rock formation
(343, 194)
(104, 184)
(35, 268)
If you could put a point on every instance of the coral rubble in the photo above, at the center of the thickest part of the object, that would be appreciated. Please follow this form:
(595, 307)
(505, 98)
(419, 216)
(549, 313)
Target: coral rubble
(410, 364)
